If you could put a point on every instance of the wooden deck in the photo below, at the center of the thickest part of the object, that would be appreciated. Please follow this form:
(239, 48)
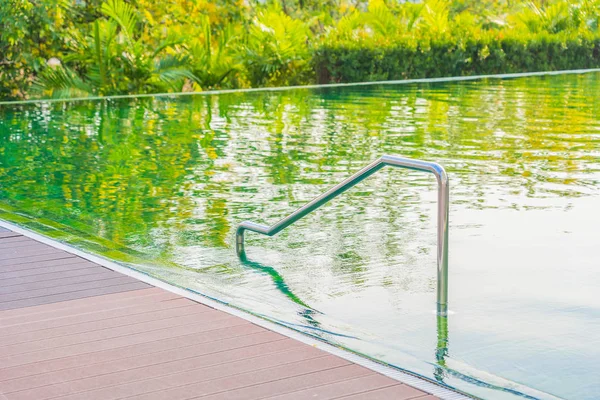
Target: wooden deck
(72, 329)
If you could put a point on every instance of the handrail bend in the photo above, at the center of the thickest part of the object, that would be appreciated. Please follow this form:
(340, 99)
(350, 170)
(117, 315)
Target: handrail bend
(417, 165)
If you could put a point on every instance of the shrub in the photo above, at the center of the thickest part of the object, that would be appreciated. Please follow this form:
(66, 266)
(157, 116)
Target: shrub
(409, 59)
(432, 43)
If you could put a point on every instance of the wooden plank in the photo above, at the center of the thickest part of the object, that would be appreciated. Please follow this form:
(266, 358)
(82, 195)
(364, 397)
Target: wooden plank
(39, 339)
(338, 389)
(37, 281)
(19, 243)
(37, 250)
(30, 245)
(205, 381)
(219, 321)
(6, 241)
(396, 392)
(181, 359)
(62, 265)
(171, 318)
(72, 288)
(176, 387)
(41, 265)
(74, 307)
(36, 258)
(118, 385)
(130, 347)
(8, 234)
(28, 329)
(31, 287)
(290, 384)
(54, 298)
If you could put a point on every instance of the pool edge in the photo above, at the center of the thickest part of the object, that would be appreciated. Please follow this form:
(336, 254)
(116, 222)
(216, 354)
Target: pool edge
(442, 79)
(415, 381)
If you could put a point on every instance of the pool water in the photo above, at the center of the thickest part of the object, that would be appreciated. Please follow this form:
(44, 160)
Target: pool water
(160, 184)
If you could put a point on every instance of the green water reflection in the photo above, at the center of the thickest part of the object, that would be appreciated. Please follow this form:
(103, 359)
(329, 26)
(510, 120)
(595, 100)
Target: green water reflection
(160, 184)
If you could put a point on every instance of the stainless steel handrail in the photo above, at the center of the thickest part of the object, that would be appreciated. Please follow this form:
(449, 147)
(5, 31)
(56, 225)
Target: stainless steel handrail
(417, 165)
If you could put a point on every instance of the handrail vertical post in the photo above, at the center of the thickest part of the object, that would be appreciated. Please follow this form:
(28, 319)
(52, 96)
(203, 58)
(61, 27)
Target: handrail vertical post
(442, 243)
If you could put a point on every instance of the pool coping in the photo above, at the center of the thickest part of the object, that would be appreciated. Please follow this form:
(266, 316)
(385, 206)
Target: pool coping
(415, 381)
(308, 87)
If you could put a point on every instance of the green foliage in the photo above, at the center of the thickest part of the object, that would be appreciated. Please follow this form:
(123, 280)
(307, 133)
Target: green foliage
(560, 16)
(214, 62)
(560, 35)
(114, 59)
(30, 33)
(276, 51)
(56, 48)
(436, 58)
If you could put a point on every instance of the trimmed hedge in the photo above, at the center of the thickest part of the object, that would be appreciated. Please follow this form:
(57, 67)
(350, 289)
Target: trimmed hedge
(408, 58)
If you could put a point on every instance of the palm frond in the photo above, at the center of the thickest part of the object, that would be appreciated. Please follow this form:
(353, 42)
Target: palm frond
(436, 15)
(173, 69)
(381, 19)
(124, 15)
(61, 82)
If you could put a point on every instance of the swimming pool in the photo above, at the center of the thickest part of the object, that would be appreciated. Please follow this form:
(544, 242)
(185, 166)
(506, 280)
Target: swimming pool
(160, 184)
